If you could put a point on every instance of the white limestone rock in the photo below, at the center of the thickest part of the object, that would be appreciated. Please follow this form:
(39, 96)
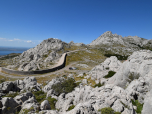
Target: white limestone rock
(20, 99)
(45, 105)
(98, 98)
(52, 82)
(82, 108)
(147, 107)
(108, 38)
(7, 86)
(30, 59)
(110, 64)
(9, 105)
(139, 64)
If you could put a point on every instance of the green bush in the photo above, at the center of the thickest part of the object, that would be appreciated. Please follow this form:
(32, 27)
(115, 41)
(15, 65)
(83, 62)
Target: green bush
(66, 86)
(2, 80)
(40, 96)
(110, 74)
(108, 110)
(71, 107)
(52, 102)
(120, 57)
(138, 105)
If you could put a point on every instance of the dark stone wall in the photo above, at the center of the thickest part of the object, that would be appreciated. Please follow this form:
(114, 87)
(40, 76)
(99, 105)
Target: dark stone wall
(62, 65)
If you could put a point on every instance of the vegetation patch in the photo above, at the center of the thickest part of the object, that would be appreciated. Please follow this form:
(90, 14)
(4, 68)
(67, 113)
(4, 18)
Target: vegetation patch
(12, 95)
(52, 102)
(66, 86)
(40, 96)
(89, 80)
(138, 105)
(120, 57)
(108, 110)
(87, 56)
(10, 56)
(110, 74)
(99, 85)
(71, 107)
(2, 80)
(124, 105)
(133, 76)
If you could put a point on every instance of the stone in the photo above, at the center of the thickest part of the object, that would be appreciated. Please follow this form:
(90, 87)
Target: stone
(9, 105)
(29, 60)
(20, 99)
(30, 103)
(147, 107)
(98, 98)
(99, 71)
(139, 64)
(45, 105)
(6, 86)
(52, 82)
(82, 108)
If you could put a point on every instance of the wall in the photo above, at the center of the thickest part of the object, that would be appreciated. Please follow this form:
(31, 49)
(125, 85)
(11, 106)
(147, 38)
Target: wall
(60, 65)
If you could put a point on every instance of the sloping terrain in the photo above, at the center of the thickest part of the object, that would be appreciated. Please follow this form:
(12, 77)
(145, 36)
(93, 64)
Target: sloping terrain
(111, 75)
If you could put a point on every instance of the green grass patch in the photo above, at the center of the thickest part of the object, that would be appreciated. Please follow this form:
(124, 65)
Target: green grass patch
(108, 110)
(85, 56)
(120, 57)
(71, 107)
(52, 102)
(110, 74)
(40, 96)
(10, 56)
(66, 86)
(138, 105)
(12, 94)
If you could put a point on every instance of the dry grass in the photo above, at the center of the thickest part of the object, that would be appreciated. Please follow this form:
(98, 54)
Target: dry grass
(89, 57)
(7, 78)
(91, 81)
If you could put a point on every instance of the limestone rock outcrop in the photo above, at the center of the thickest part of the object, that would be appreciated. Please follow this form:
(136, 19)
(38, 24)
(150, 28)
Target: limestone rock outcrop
(40, 55)
(99, 71)
(139, 64)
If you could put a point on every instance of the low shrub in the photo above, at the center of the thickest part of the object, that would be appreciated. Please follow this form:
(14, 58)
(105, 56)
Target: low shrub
(2, 80)
(11, 95)
(108, 110)
(138, 105)
(66, 86)
(52, 102)
(40, 96)
(71, 107)
(120, 57)
(110, 74)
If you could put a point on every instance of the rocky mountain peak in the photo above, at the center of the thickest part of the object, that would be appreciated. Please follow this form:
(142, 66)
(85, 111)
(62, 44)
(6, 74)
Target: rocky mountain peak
(41, 55)
(108, 38)
(107, 33)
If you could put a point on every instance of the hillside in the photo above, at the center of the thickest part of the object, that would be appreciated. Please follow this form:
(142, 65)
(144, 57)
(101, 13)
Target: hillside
(111, 75)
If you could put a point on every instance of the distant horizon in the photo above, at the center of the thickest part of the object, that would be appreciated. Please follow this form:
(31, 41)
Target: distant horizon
(67, 42)
(26, 23)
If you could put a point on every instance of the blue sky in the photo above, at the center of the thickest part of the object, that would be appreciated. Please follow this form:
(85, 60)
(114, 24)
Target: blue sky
(25, 23)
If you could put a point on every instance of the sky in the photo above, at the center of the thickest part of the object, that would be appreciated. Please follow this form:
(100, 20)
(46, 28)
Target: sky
(26, 23)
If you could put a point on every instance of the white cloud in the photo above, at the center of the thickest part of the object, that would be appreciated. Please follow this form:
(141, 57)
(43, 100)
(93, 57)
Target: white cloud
(2, 38)
(17, 42)
(17, 39)
(29, 41)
